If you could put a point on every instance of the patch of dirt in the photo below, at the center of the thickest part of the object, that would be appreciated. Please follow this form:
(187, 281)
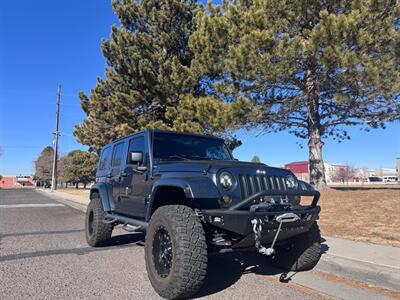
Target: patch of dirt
(361, 215)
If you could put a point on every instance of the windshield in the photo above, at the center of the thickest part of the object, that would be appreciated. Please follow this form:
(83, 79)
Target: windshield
(180, 147)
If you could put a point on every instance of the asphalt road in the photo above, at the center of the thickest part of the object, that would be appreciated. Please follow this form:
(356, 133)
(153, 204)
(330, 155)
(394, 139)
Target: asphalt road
(44, 255)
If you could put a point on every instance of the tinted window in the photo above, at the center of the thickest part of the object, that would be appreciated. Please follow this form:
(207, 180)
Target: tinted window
(136, 145)
(117, 155)
(178, 146)
(105, 158)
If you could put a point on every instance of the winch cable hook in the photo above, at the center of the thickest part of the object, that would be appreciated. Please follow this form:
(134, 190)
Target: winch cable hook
(257, 228)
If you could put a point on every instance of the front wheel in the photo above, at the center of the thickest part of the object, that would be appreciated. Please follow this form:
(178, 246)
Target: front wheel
(175, 252)
(301, 253)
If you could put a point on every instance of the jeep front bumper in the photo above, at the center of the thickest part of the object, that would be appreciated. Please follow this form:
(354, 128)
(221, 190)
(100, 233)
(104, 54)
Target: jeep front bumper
(239, 221)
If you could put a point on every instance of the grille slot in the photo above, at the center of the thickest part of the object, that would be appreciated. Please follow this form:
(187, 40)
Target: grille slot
(252, 184)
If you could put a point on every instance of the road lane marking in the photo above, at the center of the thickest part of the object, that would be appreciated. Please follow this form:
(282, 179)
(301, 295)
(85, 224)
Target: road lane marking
(30, 205)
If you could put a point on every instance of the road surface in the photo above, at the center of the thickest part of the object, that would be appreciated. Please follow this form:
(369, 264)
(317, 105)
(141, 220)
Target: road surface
(44, 255)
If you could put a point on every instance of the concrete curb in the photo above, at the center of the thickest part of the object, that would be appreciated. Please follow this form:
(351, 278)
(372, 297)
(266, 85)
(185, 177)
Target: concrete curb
(375, 274)
(351, 268)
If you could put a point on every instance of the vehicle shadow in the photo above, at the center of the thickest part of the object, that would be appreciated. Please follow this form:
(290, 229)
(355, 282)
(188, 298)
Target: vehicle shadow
(226, 269)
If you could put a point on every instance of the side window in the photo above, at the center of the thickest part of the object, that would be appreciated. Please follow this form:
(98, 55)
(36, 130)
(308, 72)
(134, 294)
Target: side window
(117, 155)
(105, 159)
(137, 144)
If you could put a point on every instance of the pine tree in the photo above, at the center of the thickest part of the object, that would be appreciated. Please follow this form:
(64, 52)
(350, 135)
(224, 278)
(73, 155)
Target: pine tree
(148, 74)
(256, 159)
(309, 67)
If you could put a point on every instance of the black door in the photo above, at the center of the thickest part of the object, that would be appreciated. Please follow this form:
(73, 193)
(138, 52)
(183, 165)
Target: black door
(114, 177)
(135, 184)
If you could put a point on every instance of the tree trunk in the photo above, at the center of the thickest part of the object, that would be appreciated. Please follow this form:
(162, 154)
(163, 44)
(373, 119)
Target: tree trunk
(317, 169)
(76, 185)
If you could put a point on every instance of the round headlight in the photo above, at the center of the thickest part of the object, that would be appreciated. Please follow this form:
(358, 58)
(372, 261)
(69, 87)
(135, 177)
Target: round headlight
(291, 182)
(226, 180)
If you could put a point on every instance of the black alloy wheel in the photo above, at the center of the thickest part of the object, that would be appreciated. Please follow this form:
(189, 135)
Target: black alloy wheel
(162, 252)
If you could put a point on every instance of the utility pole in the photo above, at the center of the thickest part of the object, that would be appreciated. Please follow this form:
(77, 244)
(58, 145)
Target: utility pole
(56, 134)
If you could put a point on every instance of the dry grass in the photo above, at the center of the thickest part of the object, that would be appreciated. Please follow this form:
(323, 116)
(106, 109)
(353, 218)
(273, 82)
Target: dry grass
(76, 192)
(362, 214)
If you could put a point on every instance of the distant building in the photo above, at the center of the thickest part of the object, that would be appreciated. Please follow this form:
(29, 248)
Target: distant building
(398, 167)
(302, 170)
(15, 181)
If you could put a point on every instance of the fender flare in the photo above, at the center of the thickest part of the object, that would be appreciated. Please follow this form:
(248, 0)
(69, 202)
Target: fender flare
(193, 188)
(105, 193)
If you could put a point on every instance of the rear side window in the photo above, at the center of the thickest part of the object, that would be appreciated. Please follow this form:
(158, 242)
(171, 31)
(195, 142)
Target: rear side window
(117, 155)
(105, 159)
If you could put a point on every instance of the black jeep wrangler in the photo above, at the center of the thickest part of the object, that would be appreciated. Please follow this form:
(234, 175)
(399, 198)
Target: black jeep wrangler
(191, 197)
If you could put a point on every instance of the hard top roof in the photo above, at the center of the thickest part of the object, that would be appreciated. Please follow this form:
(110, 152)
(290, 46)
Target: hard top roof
(161, 131)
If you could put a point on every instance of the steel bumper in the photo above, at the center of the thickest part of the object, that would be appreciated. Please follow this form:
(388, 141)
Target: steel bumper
(238, 221)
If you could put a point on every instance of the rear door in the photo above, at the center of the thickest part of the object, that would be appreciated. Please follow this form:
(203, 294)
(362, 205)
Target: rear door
(114, 177)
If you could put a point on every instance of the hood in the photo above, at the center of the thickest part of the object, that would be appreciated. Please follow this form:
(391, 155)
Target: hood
(214, 166)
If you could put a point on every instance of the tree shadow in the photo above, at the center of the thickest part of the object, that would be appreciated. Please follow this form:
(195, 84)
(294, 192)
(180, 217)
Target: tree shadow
(119, 241)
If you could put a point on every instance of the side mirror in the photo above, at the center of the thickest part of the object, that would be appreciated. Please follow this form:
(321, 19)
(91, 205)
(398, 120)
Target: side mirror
(136, 157)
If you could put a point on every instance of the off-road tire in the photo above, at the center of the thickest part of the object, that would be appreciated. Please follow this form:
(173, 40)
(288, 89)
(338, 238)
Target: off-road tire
(97, 232)
(301, 253)
(189, 252)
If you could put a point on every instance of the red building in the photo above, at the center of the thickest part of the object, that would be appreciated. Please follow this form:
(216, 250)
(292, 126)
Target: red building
(15, 181)
(301, 169)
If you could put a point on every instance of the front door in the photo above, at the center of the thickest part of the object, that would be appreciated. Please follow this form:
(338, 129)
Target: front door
(135, 184)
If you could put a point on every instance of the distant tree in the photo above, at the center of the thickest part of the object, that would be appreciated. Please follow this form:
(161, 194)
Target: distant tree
(309, 67)
(79, 167)
(149, 83)
(344, 174)
(255, 159)
(43, 166)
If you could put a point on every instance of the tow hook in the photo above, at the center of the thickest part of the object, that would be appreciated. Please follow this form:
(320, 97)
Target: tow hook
(257, 229)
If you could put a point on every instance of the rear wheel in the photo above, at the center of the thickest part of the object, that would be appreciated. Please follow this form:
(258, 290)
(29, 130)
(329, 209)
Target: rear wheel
(301, 253)
(176, 252)
(97, 232)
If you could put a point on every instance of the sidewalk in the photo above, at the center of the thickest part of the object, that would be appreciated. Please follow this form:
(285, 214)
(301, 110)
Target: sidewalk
(374, 264)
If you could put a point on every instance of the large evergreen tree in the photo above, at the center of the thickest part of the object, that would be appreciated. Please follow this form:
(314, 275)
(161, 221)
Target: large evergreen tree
(310, 67)
(149, 83)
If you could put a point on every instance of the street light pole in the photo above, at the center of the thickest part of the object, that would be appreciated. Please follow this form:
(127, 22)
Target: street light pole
(56, 134)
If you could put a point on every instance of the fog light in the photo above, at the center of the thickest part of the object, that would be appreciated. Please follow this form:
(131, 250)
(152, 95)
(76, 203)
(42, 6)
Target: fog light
(226, 199)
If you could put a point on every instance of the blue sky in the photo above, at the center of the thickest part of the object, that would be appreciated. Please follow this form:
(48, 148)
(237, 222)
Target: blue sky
(45, 42)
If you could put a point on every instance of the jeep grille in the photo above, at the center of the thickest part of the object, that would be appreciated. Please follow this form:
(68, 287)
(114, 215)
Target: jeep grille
(252, 184)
